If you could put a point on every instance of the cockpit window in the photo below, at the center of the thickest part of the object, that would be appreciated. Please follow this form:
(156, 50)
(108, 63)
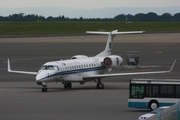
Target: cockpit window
(47, 67)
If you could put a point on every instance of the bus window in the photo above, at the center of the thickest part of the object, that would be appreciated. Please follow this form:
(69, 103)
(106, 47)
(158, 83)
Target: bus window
(167, 91)
(178, 91)
(155, 91)
(137, 91)
(148, 91)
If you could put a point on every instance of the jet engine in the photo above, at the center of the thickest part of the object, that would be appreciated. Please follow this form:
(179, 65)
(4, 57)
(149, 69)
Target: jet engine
(79, 57)
(112, 61)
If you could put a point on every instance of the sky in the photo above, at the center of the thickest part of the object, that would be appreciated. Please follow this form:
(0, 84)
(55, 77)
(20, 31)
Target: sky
(88, 8)
(88, 4)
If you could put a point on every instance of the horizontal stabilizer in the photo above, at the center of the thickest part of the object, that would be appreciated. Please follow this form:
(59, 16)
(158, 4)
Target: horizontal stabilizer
(115, 32)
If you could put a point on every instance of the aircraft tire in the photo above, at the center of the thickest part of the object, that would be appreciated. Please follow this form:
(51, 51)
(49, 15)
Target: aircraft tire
(100, 86)
(44, 89)
(65, 85)
(68, 85)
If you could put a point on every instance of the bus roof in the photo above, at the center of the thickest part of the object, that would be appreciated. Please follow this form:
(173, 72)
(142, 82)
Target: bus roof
(154, 81)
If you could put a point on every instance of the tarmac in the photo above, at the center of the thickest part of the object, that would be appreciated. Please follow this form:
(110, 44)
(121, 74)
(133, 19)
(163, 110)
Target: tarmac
(21, 98)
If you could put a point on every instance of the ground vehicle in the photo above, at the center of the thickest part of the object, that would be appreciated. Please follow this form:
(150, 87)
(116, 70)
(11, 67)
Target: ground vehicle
(171, 113)
(153, 93)
(155, 111)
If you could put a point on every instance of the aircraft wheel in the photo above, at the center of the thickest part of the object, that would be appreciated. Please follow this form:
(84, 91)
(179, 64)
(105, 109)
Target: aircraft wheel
(100, 86)
(44, 89)
(65, 85)
(68, 85)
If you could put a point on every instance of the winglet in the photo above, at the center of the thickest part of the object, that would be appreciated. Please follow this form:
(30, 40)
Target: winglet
(9, 67)
(172, 65)
(22, 72)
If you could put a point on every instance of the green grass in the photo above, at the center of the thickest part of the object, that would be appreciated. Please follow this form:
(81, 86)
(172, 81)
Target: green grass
(32, 28)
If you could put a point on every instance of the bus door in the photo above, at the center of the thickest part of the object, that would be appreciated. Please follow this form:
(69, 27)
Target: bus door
(137, 95)
(137, 91)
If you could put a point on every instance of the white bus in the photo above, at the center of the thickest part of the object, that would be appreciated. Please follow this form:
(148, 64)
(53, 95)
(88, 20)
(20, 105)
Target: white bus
(153, 93)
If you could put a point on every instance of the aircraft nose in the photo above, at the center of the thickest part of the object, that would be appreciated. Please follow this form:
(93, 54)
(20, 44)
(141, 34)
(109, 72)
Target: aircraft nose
(40, 76)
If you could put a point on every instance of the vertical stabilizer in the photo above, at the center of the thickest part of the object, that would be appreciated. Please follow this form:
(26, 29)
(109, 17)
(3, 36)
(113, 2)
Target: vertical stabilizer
(109, 45)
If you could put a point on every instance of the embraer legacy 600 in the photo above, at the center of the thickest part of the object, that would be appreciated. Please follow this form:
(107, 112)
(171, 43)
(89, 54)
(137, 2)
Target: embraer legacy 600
(81, 68)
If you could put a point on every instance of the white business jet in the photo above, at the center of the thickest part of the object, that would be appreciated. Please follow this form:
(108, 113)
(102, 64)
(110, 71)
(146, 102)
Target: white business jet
(81, 68)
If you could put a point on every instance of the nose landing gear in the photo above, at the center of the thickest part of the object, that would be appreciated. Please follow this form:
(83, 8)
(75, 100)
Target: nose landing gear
(44, 89)
(44, 85)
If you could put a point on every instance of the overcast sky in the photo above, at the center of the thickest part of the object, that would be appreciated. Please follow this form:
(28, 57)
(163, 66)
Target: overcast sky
(88, 8)
(88, 4)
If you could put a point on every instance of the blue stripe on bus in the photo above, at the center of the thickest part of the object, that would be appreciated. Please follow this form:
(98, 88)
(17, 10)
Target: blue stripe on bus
(144, 105)
(137, 104)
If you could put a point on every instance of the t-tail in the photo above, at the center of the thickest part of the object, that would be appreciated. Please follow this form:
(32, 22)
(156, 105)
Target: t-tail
(109, 45)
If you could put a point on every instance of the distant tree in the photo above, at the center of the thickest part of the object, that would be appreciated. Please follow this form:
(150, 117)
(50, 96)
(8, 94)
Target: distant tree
(50, 18)
(166, 17)
(62, 18)
(129, 17)
(140, 17)
(81, 19)
(177, 17)
(120, 17)
(152, 17)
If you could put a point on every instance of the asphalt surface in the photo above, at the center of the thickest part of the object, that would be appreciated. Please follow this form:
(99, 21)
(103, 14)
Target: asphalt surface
(21, 98)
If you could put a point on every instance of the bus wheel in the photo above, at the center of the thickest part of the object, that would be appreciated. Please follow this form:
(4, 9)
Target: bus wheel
(153, 105)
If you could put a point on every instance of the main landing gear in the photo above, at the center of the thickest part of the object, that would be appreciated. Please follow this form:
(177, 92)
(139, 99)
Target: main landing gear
(67, 85)
(44, 89)
(100, 85)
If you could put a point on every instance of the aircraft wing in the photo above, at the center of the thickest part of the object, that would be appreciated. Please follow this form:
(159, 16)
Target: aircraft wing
(125, 74)
(22, 72)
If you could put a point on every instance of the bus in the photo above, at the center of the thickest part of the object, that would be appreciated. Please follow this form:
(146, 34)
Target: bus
(153, 93)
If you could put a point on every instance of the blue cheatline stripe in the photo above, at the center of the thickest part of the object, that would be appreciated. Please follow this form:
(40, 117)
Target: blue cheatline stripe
(81, 70)
(76, 71)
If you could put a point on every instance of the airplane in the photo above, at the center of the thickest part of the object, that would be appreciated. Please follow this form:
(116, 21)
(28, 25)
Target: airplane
(81, 68)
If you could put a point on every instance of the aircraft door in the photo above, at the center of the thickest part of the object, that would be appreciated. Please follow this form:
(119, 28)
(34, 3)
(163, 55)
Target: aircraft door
(56, 68)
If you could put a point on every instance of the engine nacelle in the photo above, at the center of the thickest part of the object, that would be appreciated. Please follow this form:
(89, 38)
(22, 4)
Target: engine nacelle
(79, 57)
(112, 61)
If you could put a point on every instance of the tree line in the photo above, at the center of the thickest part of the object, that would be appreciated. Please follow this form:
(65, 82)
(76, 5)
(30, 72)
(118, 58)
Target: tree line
(140, 17)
